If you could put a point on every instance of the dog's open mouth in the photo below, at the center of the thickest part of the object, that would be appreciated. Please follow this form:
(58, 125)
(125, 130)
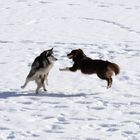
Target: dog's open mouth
(70, 56)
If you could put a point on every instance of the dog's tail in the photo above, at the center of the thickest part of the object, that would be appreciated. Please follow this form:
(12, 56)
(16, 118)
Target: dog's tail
(115, 68)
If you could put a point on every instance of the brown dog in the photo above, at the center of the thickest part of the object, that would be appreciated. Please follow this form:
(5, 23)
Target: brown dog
(103, 69)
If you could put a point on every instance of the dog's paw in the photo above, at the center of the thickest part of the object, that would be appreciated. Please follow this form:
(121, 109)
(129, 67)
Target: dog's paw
(22, 87)
(60, 69)
(45, 89)
(64, 69)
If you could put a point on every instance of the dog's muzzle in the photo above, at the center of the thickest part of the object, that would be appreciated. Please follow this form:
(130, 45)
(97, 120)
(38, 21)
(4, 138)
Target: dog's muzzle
(70, 56)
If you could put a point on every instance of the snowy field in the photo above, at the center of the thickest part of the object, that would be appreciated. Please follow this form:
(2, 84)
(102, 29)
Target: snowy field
(76, 106)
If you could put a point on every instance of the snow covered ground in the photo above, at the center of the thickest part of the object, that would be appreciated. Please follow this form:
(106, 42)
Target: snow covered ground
(76, 106)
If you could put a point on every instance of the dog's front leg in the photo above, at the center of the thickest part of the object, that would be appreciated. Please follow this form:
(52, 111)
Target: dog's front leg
(46, 78)
(39, 85)
(43, 78)
(65, 69)
(73, 69)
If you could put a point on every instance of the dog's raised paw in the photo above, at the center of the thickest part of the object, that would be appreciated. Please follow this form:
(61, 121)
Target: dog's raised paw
(60, 69)
(64, 69)
(22, 87)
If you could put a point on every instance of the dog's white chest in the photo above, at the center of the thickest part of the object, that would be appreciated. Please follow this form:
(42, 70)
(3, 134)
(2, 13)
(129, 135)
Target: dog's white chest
(49, 68)
(44, 70)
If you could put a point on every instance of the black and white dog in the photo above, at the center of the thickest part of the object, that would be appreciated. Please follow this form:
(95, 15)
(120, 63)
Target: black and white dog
(40, 69)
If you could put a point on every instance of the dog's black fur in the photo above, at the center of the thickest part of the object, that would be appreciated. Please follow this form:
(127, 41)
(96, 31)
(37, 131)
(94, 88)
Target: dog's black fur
(103, 69)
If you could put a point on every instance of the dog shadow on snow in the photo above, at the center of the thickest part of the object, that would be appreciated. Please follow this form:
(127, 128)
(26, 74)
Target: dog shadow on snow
(11, 94)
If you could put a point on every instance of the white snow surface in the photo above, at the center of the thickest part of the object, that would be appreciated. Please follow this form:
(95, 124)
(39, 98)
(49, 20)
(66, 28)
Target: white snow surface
(76, 106)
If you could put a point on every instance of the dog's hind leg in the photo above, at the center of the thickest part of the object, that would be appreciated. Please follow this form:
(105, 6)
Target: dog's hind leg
(109, 82)
(108, 79)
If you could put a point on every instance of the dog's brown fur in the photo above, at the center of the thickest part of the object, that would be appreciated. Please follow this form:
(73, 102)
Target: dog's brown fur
(103, 69)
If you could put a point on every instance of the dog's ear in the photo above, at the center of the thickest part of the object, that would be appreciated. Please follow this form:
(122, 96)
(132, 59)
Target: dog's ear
(77, 52)
(80, 50)
(51, 49)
